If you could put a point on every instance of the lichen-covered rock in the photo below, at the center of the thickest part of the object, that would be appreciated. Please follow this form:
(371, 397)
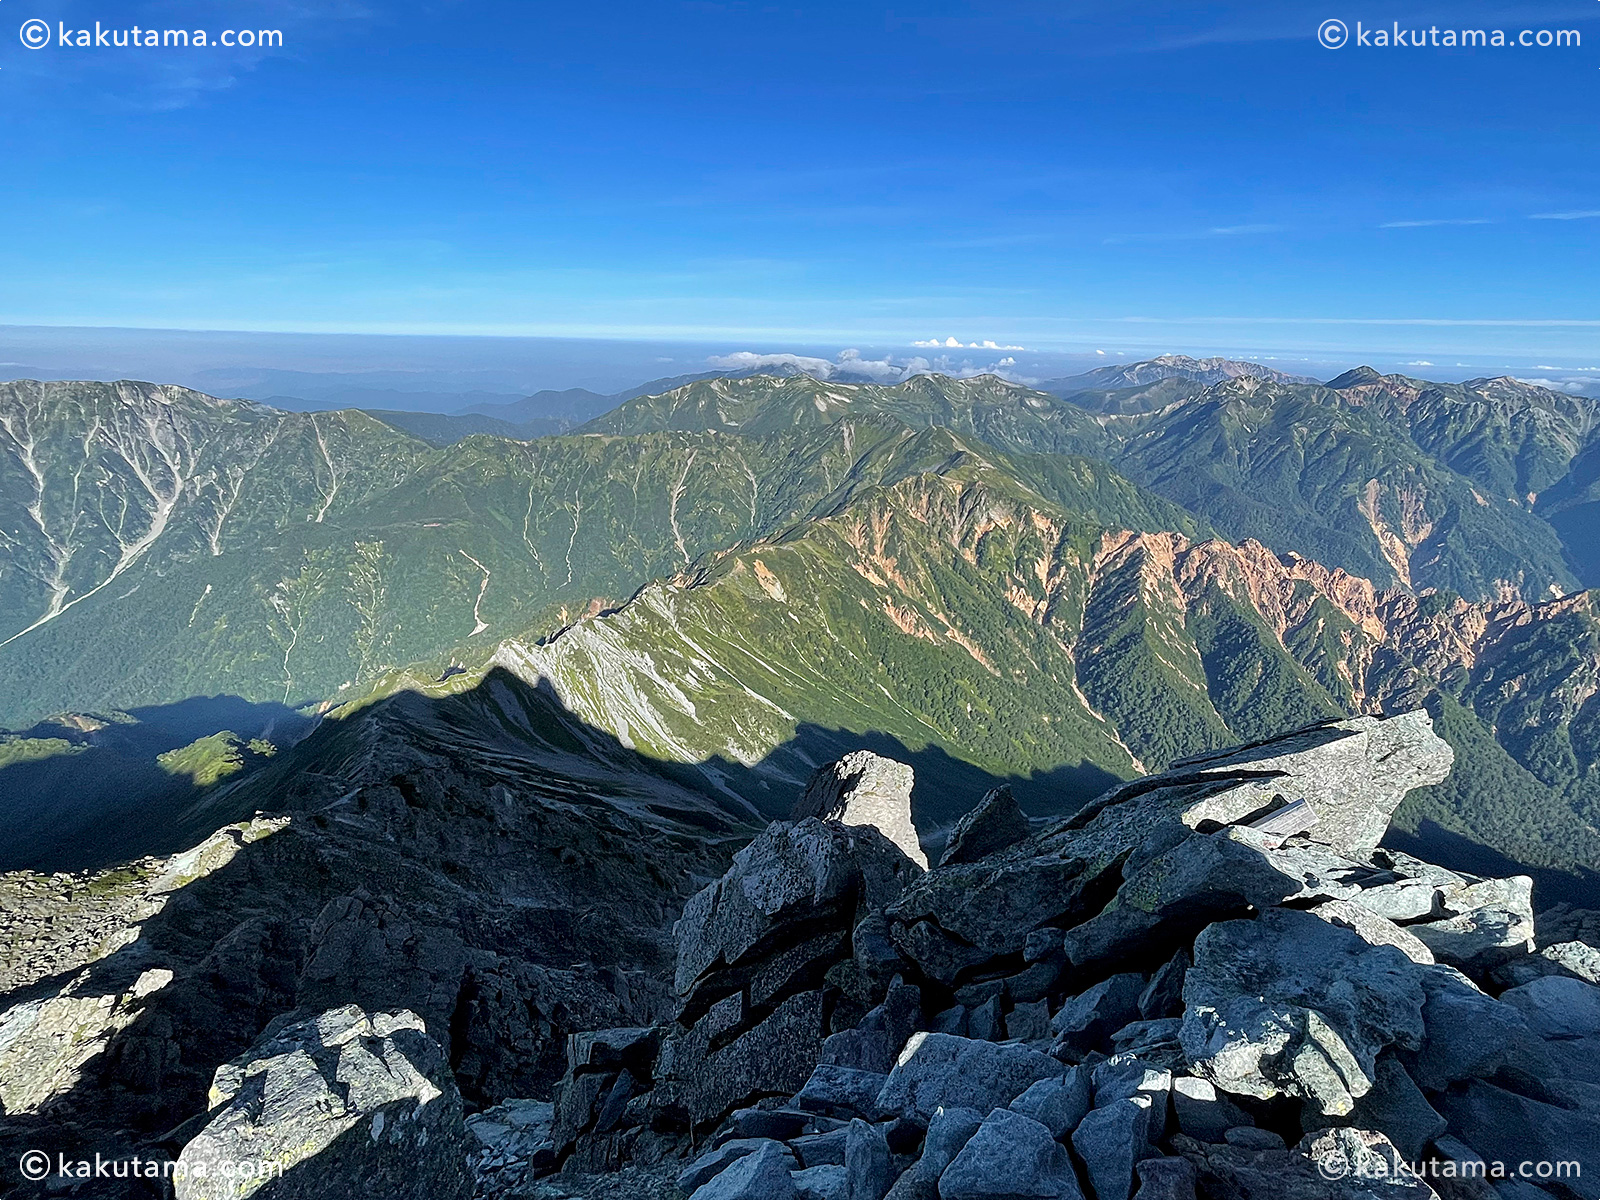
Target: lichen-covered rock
(1291, 1005)
(1484, 925)
(336, 1104)
(864, 788)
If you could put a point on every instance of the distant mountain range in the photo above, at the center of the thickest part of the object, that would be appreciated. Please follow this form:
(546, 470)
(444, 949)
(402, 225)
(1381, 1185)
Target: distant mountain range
(745, 574)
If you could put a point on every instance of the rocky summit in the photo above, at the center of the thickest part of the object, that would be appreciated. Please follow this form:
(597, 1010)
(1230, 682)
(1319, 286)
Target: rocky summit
(1212, 983)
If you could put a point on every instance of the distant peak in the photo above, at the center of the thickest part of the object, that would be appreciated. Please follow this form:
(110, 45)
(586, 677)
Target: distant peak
(1355, 378)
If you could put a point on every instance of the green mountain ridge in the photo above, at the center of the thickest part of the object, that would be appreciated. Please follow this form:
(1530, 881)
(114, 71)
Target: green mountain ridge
(745, 576)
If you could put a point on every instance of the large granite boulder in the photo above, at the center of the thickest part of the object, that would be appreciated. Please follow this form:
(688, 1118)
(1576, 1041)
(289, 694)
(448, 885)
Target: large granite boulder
(865, 789)
(790, 880)
(338, 1104)
(959, 921)
(1291, 1005)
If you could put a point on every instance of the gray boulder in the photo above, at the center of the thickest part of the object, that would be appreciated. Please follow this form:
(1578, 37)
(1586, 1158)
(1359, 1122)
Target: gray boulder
(995, 823)
(1111, 1142)
(762, 1175)
(1374, 929)
(791, 879)
(1124, 1077)
(1010, 1157)
(866, 1161)
(1291, 1005)
(940, 1070)
(825, 1182)
(1354, 773)
(841, 1091)
(1058, 1104)
(1577, 960)
(717, 1160)
(864, 788)
(949, 1129)
(1557, 1007)
(1485, 925)
(341, 1103)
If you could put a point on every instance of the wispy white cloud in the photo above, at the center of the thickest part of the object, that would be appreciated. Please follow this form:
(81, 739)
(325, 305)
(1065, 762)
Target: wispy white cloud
(1421, 362)
(1241, 230)
(1439, 221)
(1586, 215)
(951, 343)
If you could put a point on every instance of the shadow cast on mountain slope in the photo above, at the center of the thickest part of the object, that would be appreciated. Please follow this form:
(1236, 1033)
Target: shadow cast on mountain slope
(101, 792)
(135, 808)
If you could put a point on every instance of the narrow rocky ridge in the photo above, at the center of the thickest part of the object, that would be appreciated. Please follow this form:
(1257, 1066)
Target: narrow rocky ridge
(1211, 982)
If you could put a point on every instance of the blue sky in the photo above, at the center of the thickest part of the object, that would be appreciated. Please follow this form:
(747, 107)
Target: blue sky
(1061, 176)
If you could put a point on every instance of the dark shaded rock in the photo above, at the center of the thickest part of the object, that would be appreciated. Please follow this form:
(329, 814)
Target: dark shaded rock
(1466, 1033)
(866, 1161)
(1504, 1126)
(820, 1149)
(1169, 898)
(773, 1059)
(949, 1129)
(1087, 1021)
(1165, 1179)
(995, 823)
(986, 1022)
(1248, 1137)
(1058, 1104)
(841, 1092)
(1163, 997)
(1110, 1142)
(1557, 1007)
(825, 1182)
(1010, 1157)
(713, 1162)
(1396, 1108)
(1201, 1112)
(345, 1103)
(1029, 1022)
(790, 879)
(781, 1124)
